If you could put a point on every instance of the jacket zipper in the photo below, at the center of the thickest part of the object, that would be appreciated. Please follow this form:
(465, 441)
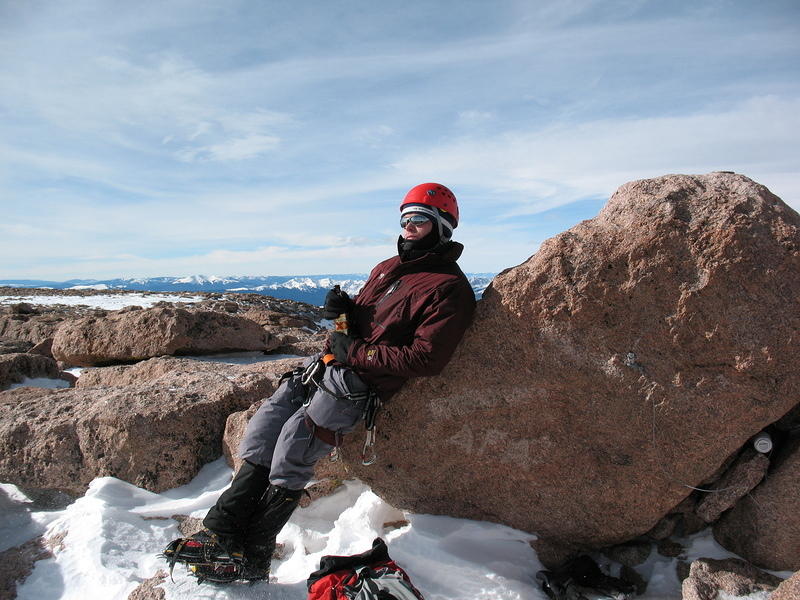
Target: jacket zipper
(392, 289)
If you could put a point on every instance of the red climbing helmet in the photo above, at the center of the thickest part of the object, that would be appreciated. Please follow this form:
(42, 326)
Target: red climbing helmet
(435, 195)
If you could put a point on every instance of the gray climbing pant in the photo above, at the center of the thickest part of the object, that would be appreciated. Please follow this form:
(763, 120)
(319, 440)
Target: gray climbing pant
(279, 437)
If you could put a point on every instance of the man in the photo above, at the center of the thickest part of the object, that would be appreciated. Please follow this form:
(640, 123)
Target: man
(406, 322)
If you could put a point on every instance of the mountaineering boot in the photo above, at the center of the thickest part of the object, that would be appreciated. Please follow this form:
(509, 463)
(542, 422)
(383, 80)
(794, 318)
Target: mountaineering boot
(257, 562)
(216, 553)
(273, 512)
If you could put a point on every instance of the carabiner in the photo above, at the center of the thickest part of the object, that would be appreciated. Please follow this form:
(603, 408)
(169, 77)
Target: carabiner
(368, 454)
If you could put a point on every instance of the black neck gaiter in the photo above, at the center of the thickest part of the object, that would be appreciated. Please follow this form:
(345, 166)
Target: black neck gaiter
(411, 249)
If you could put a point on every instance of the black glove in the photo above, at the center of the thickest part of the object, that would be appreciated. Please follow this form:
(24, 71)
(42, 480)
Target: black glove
(340, 345)
(336, 303)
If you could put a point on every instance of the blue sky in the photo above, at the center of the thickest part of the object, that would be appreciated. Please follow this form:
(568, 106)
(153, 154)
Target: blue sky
(278, 137)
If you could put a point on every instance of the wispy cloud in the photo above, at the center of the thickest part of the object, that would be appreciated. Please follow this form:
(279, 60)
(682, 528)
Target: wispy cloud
(241, 148)
(564, 162)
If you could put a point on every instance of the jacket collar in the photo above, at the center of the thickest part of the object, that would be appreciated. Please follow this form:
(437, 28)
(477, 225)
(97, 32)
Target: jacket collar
(448, 252)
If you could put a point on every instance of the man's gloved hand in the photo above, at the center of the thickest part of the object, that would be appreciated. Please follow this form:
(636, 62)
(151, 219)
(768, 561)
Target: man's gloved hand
(340, 345)
(336, 303)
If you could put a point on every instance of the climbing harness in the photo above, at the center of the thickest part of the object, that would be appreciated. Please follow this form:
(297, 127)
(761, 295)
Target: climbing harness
(368, 401)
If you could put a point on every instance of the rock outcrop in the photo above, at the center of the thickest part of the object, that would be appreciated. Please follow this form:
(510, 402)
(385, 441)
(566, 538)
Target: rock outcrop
(736, 578)
(150, 588)
(626, 360)
(17, 563)
(745, 474)
(45, 348)
(764, 527)
(29, 325)
(789, 589)
(153, 424)
(295, 334)
(14, 368)
(11, 346)
(256, 380)
(133, 335)
(234, 432)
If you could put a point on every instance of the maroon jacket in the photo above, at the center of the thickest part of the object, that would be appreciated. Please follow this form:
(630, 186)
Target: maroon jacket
(409, 318)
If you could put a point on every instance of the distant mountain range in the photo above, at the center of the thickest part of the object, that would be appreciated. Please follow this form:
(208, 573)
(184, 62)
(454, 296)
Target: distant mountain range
(302, 288)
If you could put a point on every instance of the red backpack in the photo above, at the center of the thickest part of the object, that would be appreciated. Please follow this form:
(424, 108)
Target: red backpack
(371, 575)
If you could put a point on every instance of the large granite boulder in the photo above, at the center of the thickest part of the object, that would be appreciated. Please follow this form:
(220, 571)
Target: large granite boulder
(256, 380)
(31, 325)
(235, 428)
(153, 425)
(43, 348)
(132, 335)
(624, 361)
(764, 526)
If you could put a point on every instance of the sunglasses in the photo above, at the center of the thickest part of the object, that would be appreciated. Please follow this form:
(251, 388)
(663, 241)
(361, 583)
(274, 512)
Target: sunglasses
(415, 220)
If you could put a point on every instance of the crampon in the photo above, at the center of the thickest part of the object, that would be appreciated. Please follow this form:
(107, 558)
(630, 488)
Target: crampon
(205, 558)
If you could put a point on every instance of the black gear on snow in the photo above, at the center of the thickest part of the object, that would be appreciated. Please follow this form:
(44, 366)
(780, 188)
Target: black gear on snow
(580, 579)
(205, 556)
(273, 511)
(208, 556)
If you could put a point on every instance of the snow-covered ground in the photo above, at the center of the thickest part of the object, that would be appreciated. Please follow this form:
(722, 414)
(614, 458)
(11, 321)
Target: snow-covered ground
(113, 534)
(105, 301)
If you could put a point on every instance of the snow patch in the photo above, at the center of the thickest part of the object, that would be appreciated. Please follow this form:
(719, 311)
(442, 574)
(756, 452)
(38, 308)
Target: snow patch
(103, 301)
(11, 494)
(40, 382)
(203, 280)
(99, 286)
